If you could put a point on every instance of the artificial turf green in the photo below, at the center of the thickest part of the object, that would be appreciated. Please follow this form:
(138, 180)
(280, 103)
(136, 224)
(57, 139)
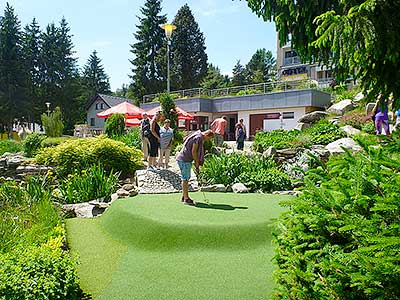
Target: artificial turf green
(153, 247)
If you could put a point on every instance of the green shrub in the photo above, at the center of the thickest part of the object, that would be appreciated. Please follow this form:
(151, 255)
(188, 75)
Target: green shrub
(79, 154)
(324, 132)
(280, 139)
(178, 140)
(52, 123)
(39, 272)
(90, 184)
(32, 144)
(248, 92)
(54, 141)
(340, 238)
(115, 125)
(132, 138)
(369, 127)
(10, 146)
(356, 119)
(253, 171)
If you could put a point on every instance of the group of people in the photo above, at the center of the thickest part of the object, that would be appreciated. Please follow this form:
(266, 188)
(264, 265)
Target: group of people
(380, 115)
(157, 141)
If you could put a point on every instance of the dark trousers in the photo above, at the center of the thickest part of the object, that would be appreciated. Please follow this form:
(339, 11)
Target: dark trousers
(240, 145)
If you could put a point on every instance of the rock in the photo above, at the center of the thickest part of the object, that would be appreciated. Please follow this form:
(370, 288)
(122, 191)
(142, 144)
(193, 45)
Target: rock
(99, 204)
(336, 146)
(350, 130)
(298, 184)
(239, 188)
(341, 108)
(122, 193)
(213, 188)
(114, 197)
(128, 180)
(313, 117)
(359, 97)
(133, 193)
(368, 108)
(288, 152)
(128, 186)
(334, 120)
(80, 210)
(301, 126)
(271, 151)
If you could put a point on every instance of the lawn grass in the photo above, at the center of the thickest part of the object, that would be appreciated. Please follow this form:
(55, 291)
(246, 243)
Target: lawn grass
(153, 247)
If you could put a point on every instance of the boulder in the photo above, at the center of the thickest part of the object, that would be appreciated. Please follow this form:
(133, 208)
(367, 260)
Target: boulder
(313, 117)
(271, 151)
(114, 197)
(336, 146)
(341, 108)
(350, 130)
(288, 152)
(213, 188)
(128, 186)
(359, 97)
(122, 193)
(239, 188)
(133, 192)
(301, 126)
(80, 210)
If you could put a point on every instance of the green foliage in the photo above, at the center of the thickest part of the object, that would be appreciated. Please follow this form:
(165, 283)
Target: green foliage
(168, 108)
(239, 75)
(132, 138)
(87, 185)
(257, 172)
(10, 146)
(52, 123)
(189, 62)
(261, 67)
(280, 139)
(324, 132)
(54, 141)
(214, 79)
(80, 154)
(39, 272)
(115, 125)
(32, 143)
(340, 238)
(354, 118)
(248, 92)
(369, 127)
(178, 140)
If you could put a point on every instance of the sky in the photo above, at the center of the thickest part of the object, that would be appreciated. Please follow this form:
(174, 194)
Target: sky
(231, 30)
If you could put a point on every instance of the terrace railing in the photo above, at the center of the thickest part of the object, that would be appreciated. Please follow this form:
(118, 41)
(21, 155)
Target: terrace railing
(251, 89)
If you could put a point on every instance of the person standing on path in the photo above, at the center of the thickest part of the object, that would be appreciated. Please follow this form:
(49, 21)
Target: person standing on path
(240, 137)
(192, 150)
(166, 138)
(218, 128)
(154, 139)
(381, 114)
(144, 133)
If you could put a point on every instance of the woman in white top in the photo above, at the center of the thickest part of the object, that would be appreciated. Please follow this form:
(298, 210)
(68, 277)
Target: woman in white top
(166, 138)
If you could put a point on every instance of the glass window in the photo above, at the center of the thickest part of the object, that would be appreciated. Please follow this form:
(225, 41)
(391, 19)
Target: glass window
(97, 106)
(288, 115)
(92, 122)
(272, 116)
(102, 106)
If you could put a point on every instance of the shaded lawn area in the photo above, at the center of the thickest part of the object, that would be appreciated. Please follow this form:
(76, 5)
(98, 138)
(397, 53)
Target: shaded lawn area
(154, 247)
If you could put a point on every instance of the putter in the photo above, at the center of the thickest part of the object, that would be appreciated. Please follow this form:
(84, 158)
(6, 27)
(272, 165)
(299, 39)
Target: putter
(204, 194)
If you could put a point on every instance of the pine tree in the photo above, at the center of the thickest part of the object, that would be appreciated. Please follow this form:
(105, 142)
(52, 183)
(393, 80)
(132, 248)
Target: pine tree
(31, 53)
(240, 74)
(189, 59)
(13, 76)
(147, 71)
(214, 79)
(94, 78)
(261, 67)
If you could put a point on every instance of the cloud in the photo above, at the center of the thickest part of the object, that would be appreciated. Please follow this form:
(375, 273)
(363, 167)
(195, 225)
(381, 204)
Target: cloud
(211, 8)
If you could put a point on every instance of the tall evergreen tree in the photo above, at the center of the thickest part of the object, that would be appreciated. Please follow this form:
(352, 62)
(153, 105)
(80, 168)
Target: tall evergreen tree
(147, 71)
(94, 78)
(261, 67)
(239, 74)
(31, 53)
(13, 76)
(189, 62)
(214, 79)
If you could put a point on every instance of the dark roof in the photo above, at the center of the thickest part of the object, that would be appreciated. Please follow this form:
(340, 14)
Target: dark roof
(109, 100)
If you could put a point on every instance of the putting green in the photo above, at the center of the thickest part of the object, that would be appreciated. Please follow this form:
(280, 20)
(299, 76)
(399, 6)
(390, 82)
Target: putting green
(153, 247)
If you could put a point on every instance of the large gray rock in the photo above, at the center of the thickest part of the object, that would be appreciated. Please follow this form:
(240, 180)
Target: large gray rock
(213, 188)
(359, 97)
(341, 108)
(239, 188)
(313, 117)
(128, 186)
(122, 193)
(348, 143)
(82, 210)
(350, 130)
(301, 126)
(271, 151)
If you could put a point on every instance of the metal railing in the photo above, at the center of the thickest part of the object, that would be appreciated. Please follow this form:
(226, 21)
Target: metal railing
(251, 89)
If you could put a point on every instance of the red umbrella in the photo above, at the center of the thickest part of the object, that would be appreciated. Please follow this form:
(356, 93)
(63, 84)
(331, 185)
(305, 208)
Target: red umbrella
(126, 108)
(132, 122)
(182, 115)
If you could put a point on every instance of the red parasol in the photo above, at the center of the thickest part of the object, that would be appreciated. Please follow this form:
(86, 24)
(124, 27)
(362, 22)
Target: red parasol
(132, 122)
(182, 115)
(126, 108)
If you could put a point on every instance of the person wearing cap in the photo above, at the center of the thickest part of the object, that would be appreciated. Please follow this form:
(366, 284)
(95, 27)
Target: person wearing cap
(144, 134)
(218, 127)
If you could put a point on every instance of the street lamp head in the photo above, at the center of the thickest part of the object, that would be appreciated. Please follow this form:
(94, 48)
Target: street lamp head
(48, 105)
(168, 28)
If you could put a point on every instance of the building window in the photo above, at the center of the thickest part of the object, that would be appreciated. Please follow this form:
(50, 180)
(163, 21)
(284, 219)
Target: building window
(97, 106)
(102, 106)
(272, 116)
(288, 115)
(92, 122)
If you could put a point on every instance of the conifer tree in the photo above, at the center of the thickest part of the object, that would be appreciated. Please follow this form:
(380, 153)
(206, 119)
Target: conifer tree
(240, 74)
(261, 67)
(214, 79)
(94, 78)
(13, 75)
(189, 58)
(147, 74)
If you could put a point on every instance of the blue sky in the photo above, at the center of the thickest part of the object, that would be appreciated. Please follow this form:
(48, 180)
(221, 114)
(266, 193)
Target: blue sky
(231, 30)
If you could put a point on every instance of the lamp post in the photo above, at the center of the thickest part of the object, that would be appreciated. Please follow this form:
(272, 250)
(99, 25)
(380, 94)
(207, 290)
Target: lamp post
(48, 108)
(168, 28)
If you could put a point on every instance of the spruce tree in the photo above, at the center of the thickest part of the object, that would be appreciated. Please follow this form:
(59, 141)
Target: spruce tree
(240, 74)
(214, 79)
(261, 67)
(147, 70)
(189, 58)
(94, 78)
(13, 76)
